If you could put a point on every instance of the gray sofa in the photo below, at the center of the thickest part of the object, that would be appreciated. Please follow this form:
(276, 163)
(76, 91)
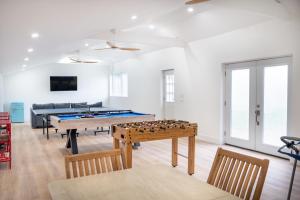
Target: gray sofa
(39, 110)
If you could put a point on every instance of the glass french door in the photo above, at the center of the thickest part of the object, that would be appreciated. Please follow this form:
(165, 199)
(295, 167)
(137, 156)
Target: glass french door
(256, 104)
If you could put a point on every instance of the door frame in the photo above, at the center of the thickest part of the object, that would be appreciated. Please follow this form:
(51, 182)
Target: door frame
(282, 60)
(163, 71)
(249, 144)
(289, 58)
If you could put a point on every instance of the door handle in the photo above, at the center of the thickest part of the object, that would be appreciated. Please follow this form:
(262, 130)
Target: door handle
(257, 114)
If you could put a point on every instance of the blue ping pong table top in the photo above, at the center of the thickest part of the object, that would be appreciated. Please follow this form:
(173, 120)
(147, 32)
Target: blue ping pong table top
(107, 115)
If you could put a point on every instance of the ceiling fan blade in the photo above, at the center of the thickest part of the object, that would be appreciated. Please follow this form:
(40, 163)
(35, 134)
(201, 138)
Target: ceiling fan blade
(103, 49)
(89, 62)
(129, 49)
(111, 45)
(83, 61)
(74, 60)
(195, 1)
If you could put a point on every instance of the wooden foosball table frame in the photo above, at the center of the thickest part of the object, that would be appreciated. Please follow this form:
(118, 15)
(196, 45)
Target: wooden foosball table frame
(130, 133)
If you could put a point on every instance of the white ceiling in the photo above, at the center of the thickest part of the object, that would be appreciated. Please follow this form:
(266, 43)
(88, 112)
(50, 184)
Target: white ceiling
(66, 25)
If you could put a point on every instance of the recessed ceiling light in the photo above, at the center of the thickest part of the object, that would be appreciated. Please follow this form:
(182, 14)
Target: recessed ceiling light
(86, 44)
(151, 26)
(190, 9)
(35, 35)
(24, 66)
(30, 50)
(133, 17)
(26, 59)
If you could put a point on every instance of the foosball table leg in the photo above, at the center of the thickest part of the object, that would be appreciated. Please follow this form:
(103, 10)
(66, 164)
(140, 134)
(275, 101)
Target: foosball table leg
(191, 155)
(174, 152)
(128, 154)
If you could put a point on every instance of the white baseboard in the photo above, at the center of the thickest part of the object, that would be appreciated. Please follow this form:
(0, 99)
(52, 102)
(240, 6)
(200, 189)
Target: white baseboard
(24, 123)
(209, 139)
(292, 161)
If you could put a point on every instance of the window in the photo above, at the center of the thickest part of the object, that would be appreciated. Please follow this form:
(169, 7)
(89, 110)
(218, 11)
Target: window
(119, 85)
(170, 89)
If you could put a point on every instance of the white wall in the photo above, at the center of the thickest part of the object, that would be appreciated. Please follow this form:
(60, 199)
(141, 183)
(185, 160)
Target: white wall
(198, 71)
(198, 76)
(33, 86)
(1, 93)
(271, 39)
(145, 82)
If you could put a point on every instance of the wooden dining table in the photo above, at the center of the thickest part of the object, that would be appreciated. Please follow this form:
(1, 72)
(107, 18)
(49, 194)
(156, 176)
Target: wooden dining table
(151, 182)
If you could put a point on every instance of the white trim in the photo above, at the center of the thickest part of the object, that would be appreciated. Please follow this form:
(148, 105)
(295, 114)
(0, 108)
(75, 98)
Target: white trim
(258, 59)
(261, 65)
(292, 161)
(118, 84)
(167, 105)
(209, 139)
(252, 78)
(286, 59)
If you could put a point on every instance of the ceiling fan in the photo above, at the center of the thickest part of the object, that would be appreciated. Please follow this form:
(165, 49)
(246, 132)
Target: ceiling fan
(112, 45)
(195, 1)
(73, 59)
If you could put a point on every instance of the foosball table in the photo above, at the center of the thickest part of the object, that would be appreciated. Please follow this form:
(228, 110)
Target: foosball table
(129, 133)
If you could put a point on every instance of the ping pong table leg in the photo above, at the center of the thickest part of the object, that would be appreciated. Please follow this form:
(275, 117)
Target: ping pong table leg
(43, 126)
(68, 144)
(47, 128)
(72, 141)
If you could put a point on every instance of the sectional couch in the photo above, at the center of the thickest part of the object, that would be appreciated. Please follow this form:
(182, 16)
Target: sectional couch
(39, 110)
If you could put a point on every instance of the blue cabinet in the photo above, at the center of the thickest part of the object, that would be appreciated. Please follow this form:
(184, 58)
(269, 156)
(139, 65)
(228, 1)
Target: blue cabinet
(17, 112)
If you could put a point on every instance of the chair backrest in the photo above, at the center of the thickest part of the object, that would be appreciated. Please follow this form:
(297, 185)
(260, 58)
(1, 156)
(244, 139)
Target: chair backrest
(238, 174)
(4, 116)
(93, 163)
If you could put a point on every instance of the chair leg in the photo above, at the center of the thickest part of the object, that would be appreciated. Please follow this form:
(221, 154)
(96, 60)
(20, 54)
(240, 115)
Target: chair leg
(10, 157)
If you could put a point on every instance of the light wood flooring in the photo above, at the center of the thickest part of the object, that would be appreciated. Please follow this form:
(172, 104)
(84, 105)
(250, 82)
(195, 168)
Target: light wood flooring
(37, 161)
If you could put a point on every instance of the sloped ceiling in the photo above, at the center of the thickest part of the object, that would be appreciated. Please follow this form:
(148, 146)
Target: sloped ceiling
(66, 25)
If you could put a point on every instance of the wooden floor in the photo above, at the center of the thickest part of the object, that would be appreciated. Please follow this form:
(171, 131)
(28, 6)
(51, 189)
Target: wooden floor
(37, 161)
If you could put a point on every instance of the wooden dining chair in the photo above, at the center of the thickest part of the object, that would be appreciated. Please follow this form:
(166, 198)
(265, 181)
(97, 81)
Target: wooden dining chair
(238, 174)
(93, 163)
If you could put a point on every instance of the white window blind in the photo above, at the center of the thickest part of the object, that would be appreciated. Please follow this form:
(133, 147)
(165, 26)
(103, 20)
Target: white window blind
(119, 85)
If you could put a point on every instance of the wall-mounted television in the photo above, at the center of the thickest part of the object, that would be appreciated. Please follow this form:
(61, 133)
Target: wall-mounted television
(63, 83)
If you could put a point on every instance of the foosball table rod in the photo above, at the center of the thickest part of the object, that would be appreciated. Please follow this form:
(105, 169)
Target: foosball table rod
(184, 156)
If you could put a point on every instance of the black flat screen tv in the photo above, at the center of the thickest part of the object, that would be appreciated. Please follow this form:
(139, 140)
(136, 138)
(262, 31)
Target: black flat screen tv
(63, 83)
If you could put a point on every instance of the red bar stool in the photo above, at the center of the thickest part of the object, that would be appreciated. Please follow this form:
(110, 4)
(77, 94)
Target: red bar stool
(5, 138)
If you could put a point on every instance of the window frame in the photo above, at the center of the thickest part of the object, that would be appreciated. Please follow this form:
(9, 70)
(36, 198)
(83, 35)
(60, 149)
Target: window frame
(118, 85)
